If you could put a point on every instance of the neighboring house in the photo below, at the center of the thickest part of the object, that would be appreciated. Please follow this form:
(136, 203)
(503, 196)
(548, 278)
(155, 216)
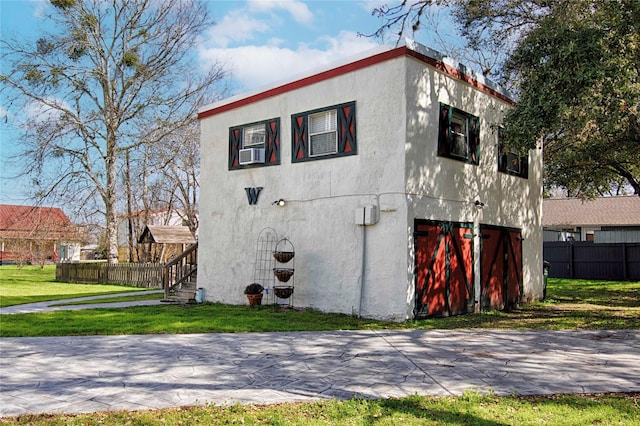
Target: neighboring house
(601, 220)
(164, 242)
(139, 220)
(387, 174)
(37, 235)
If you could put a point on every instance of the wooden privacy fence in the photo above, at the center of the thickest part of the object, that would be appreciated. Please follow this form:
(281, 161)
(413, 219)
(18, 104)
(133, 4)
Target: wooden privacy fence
(590, 261)
(145, 275)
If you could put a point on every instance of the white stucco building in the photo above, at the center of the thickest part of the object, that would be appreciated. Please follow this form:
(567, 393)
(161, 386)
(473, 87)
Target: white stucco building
(397, 194)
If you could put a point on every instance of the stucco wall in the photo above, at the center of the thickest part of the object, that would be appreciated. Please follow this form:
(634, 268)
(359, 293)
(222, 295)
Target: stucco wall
(396, 169)
(321, 199)
(446, 189)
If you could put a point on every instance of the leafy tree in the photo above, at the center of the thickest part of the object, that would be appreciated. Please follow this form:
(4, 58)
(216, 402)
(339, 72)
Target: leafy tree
(575, 68)
(111, 78)
(579, 74)
(482, 51)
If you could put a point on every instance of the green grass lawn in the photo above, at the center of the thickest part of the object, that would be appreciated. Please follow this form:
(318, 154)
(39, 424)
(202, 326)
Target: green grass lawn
(617, 294)
(173, 318)
(31, 284)
(570, 304)
(115, 299)
(469, 409)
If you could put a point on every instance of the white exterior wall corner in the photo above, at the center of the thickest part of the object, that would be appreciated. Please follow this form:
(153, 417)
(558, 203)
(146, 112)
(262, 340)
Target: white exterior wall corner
(442, 189)
(396, 169)
(321, 197)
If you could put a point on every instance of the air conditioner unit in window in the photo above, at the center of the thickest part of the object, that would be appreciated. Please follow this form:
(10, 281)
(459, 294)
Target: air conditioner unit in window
(251, 156)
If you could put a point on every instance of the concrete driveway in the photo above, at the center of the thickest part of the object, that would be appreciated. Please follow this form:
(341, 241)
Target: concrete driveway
(98, 373)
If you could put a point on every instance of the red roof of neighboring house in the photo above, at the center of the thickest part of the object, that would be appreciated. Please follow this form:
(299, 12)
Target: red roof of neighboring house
(28, 222)
(603, 211)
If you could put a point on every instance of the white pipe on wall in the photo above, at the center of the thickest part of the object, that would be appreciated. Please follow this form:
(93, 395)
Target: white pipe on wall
(363, 263)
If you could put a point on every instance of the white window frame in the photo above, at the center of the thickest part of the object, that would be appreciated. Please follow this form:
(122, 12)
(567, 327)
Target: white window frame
(249, 131)
(459, 139)
(331, 117)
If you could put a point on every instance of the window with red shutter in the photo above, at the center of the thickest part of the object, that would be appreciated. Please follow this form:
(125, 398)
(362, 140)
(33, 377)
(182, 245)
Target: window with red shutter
(324, 133)
(254, 144)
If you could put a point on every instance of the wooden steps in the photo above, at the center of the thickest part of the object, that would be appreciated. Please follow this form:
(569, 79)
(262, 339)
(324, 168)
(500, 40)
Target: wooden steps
(185, 293)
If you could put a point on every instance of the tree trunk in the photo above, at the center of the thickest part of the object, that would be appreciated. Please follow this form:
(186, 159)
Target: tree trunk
(129, 209)
(110, 200)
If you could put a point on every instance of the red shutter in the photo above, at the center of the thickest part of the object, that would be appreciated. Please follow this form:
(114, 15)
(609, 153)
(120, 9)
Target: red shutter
(235, 141)
(347, 129)
(299, 136)
(272, 148)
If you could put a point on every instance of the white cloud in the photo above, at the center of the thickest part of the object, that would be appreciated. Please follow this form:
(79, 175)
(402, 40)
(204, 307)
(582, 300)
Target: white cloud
(244, 24)
(297, 9)
(237, 26)
(267, 41)
(42, 113)
(253, 66)
(40, 8)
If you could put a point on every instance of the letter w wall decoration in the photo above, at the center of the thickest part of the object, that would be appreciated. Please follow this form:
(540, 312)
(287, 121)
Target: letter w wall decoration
(253, 194)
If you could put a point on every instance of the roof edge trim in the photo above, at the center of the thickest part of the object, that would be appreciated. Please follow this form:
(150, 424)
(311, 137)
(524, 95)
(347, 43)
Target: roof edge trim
(409, 48)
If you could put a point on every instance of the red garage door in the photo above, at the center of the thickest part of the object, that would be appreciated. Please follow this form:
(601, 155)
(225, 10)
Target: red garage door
(444, 268)
(501, 267)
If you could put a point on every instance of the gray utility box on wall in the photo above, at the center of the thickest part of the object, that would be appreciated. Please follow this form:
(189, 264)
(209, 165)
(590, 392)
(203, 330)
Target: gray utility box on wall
(367, 215)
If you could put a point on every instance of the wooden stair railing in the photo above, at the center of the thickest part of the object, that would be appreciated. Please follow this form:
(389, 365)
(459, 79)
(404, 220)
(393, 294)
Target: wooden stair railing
(179, 275)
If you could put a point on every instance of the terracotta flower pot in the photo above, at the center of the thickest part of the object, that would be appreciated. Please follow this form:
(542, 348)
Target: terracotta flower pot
(254, 299)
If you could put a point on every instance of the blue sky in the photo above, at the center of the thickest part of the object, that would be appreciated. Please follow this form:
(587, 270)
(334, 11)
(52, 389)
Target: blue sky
(258, 41)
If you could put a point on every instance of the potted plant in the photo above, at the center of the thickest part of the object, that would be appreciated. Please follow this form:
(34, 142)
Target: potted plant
(254, 294)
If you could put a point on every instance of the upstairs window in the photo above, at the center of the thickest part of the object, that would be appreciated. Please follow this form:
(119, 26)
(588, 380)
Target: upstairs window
(458, 135)
(254, 136)
(509, 160)
(255, 144)
(324, 133)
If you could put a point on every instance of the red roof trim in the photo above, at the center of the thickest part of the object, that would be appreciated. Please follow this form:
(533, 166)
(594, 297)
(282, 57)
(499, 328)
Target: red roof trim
(325, 75)
(448, 69)
(350, 67)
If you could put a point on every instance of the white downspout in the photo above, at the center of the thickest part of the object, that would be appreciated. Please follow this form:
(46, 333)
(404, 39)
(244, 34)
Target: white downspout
(362, 263)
